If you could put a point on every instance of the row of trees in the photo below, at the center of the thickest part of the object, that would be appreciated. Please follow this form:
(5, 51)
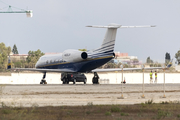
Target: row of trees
(29, 62)
(152, 64)
(33, 57)
(177, 56)
(4, 52)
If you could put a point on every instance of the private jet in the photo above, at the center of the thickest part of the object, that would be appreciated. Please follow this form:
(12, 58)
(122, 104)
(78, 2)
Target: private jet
(73, 63)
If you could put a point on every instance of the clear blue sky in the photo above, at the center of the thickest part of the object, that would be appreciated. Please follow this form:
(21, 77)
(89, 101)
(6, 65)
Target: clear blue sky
(58, 25)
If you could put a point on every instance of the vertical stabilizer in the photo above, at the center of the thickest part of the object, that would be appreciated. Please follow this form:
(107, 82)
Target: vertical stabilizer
(109, 41)
(107, 47)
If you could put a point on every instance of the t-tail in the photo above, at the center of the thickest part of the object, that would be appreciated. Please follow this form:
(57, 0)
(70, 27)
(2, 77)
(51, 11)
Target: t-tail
(107, 47)
(9, 63)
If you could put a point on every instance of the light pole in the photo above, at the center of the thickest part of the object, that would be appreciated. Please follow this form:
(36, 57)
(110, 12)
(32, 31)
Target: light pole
(164, 96)
(122, 97)
(116, 76)
(143, 81)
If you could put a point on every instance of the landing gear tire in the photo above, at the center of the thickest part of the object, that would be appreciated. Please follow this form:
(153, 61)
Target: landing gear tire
(95, 81)
(85, 80)
(43, 81)
(67, 81)
(74, 82)
(64, 81)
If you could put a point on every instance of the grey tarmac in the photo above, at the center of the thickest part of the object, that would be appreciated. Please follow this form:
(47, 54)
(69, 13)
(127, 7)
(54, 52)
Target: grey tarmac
(79, 94)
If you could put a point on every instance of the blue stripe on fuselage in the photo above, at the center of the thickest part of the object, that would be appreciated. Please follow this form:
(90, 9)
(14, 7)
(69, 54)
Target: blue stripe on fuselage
(83, 66)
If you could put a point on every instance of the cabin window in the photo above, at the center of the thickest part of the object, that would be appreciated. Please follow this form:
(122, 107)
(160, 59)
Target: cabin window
(47, 62)
(51, 61)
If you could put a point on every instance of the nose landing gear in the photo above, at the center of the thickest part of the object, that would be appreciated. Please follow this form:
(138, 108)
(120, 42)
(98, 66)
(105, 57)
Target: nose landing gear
(43, 81)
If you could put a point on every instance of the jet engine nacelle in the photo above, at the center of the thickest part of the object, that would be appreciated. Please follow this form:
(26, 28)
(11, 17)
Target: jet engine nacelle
(74, 55)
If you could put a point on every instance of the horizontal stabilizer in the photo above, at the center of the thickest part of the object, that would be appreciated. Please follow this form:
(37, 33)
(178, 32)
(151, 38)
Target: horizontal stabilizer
(138, 26)
(96, 26)
(119, 26)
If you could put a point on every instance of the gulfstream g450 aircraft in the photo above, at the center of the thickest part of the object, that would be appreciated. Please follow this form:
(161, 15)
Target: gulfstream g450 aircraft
(75, 61)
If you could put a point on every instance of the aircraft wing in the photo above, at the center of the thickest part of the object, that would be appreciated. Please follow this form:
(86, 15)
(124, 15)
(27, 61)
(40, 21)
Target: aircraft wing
(95, 70)
(124, 69)
(42, 70)
(130, 69)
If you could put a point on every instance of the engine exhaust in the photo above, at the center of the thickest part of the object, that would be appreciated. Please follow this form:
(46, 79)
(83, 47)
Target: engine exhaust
(84, 55)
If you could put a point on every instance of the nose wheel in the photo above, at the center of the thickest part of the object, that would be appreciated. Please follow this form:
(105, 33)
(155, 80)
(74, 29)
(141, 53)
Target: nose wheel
(43, 81)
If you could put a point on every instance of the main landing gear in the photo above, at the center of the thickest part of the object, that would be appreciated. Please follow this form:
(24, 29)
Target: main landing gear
(95, 79)
(43, 81)
(64, 78)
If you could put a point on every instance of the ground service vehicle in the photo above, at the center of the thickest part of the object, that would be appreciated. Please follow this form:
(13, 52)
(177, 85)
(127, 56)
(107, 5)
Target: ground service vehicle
(73, 77)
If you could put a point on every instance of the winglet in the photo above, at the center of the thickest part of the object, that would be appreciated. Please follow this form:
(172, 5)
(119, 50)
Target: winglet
(170, 64)
(9, 63)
